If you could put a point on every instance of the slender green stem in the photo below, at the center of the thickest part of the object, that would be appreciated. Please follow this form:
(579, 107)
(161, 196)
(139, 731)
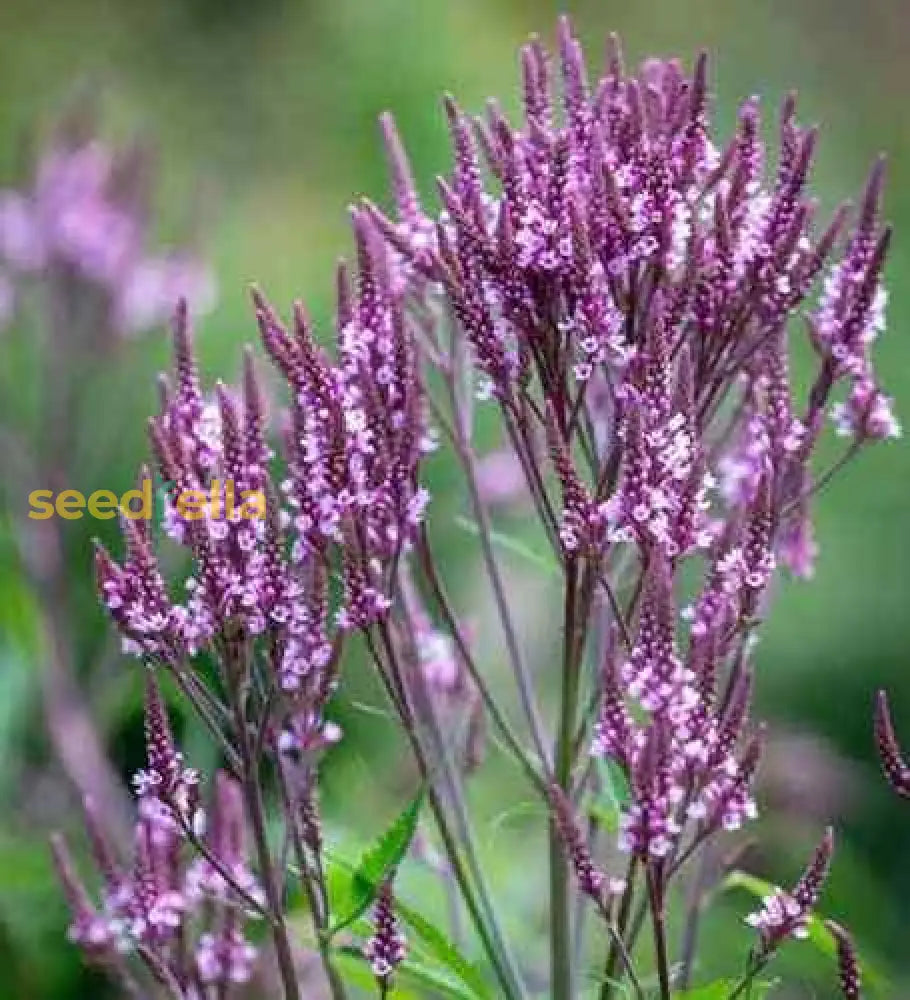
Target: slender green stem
(694, 908)
(496, 714)
(623, 952)
(755, 964)
(519, 667)
(161, 972)
(218, 865)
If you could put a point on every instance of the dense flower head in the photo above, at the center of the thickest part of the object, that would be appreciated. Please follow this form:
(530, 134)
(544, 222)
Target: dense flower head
(167, 790)
(253, 574)
(356, 430)
(688, 756)
(85, 214)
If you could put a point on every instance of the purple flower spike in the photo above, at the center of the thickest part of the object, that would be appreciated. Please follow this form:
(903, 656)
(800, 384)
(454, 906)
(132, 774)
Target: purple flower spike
(168, 791)
(896, 769)
(591, 881)
(848, 970)
(89, 929)
(388, 947)
(785, 914)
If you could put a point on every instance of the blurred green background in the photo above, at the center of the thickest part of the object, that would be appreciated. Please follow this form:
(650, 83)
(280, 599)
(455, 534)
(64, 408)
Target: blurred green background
(263, 116)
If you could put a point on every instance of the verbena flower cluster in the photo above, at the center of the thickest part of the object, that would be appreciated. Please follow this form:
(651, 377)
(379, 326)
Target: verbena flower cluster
(625, 288)
(620, 246)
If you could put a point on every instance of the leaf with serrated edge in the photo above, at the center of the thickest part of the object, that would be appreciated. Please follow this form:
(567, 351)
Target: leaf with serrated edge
(438, 945)
(375, 863)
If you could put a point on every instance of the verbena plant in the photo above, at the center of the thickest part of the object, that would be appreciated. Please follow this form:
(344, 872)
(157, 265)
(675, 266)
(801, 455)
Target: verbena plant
(623, 293)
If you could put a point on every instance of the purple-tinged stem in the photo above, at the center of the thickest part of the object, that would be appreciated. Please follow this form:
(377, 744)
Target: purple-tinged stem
(658, 918)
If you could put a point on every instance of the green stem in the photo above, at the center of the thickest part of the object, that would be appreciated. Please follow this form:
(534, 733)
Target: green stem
(755, 964)
(523, 679)
(313, 887)
(499, 720)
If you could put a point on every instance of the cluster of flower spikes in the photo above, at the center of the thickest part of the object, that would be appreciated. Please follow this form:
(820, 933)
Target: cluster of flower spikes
(220, 505)
(688, 756)
(620, 255)
(620, 244)
(356, 431)
(86, 214)
(164, 906)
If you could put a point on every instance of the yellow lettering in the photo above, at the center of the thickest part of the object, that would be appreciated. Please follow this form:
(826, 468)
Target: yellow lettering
(215, 495)
(253, 506)
(191, 504)
(70, 504)
(144, 494)
(41, 506)
(102, 504)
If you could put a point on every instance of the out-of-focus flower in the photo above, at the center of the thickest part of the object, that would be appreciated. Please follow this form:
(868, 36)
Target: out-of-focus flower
(500, 479)
(7, 300)
(85, 216)
(153, 285)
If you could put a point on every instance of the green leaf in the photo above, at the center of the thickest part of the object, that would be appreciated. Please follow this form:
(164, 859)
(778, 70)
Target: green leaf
(441, 948)
(509, 543)
(608, 804)
(721, 989)
(355, 890)
(819, 935)
(436, 979)
(429, 946)
(356, 972)
(411, 971)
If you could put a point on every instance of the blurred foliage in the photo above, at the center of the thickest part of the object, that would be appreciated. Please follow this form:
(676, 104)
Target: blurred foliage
(263, 115)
